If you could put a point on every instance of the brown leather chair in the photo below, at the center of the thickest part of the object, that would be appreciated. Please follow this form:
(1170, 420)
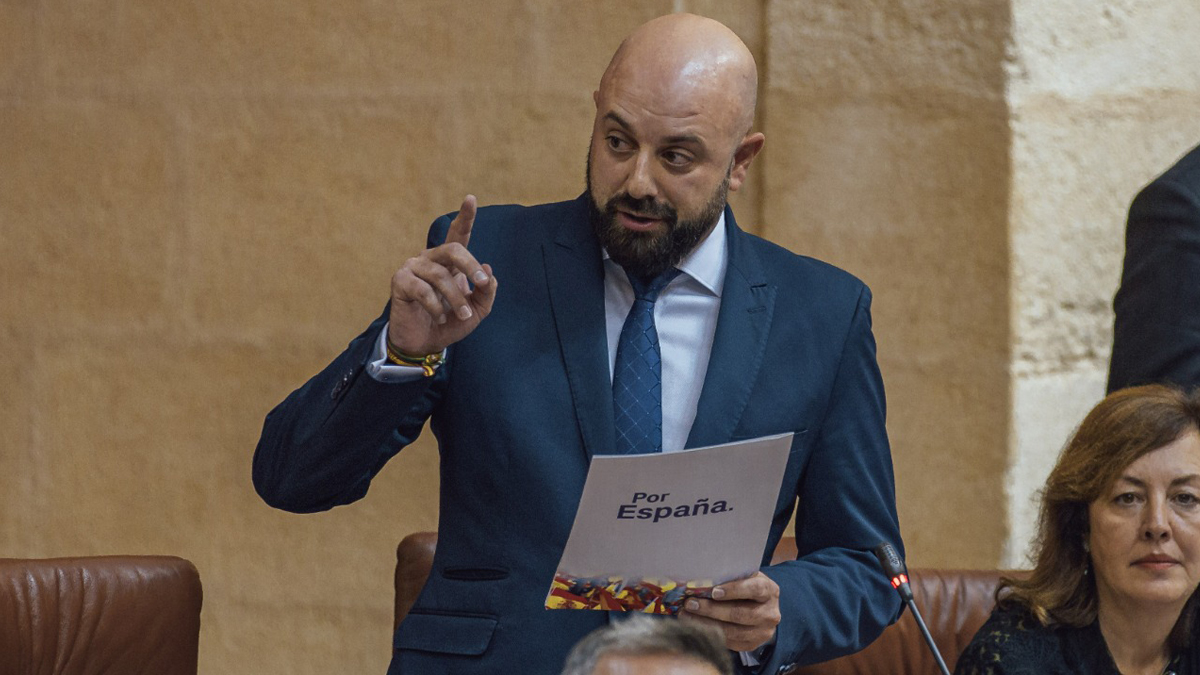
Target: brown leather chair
(120, 615)
(954, 604)
(414, 560)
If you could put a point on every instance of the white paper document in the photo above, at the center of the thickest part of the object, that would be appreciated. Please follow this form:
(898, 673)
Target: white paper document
(653, 530)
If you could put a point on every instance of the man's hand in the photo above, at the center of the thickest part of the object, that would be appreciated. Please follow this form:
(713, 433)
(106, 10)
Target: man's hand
(746, 611)
(433, 306)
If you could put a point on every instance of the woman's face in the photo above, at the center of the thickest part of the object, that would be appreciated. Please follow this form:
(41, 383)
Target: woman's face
(1145, 531)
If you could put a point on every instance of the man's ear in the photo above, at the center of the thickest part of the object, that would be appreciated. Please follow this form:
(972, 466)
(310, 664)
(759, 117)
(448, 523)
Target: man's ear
(745, 153)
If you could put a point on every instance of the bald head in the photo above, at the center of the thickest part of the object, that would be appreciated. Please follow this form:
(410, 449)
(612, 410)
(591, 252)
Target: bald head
(670, 140)
(690, 62)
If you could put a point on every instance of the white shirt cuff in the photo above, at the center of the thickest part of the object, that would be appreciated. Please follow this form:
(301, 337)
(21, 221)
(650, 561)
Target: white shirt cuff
(382, 370)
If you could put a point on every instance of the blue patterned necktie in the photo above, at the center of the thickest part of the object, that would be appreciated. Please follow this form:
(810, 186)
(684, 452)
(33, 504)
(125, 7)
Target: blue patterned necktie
(637, 375)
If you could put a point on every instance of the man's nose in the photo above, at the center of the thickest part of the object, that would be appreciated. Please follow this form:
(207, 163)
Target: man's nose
(641, 184)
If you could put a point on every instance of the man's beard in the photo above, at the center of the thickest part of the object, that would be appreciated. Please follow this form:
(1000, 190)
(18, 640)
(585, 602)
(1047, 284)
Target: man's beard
(649, 254)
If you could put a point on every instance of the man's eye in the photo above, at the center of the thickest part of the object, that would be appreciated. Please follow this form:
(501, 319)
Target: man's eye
(615, 143)
(675, 158)
(1126, 498)
(1187, 499)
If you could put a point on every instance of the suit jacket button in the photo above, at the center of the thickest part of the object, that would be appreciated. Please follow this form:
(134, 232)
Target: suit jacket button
(340, 387)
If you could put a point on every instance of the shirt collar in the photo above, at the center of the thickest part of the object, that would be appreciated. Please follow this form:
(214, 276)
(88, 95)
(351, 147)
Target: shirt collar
(707, 262)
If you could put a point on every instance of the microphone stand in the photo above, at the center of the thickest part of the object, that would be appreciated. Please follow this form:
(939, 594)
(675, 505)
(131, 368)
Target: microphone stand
(894, 567)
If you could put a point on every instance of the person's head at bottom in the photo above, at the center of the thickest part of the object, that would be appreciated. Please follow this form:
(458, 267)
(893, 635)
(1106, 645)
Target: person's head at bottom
(645, 646)
(1119, 533)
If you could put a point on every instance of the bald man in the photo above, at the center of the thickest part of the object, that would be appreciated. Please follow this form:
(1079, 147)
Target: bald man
(635, 318)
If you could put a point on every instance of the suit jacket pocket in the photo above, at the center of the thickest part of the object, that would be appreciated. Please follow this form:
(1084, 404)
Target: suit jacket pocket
(463, 634)
(475, 573)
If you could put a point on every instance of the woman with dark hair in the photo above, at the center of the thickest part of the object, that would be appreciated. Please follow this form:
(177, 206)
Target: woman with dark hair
(1113, 589)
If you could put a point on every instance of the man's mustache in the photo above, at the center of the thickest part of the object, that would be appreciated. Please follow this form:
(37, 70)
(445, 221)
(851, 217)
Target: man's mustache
(646, 206)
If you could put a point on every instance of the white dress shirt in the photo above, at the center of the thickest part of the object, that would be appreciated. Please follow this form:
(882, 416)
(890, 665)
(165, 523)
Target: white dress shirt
(685, 316)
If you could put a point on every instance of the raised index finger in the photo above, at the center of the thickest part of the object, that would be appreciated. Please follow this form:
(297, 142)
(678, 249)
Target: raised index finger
(460, 227)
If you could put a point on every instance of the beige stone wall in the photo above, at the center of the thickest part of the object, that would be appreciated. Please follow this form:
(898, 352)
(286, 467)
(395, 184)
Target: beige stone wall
(200, 204)
(1103, 98)
(888, 155)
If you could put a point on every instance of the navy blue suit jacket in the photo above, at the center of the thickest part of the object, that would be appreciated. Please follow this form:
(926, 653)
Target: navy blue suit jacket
(1156, 334)
(524, 401)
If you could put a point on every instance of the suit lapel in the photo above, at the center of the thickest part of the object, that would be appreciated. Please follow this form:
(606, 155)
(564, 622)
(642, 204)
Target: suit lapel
(575, 277)
(743, 323)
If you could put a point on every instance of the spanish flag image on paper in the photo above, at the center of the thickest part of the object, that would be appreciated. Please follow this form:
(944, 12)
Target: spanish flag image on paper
(651, 596)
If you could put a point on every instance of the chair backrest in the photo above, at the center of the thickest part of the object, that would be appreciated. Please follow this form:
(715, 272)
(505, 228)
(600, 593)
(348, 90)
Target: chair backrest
(414, 560)
(126, 615)
(954, 604)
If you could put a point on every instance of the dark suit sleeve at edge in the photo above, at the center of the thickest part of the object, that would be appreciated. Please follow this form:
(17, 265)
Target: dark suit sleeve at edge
(322, 445)
(1156, 334)
(834, 599)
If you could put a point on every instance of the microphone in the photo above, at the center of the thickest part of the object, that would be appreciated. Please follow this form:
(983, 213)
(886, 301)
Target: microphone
(897, 573)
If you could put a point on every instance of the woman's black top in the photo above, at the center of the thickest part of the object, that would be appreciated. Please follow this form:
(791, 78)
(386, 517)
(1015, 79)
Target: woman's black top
(1013, 642)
